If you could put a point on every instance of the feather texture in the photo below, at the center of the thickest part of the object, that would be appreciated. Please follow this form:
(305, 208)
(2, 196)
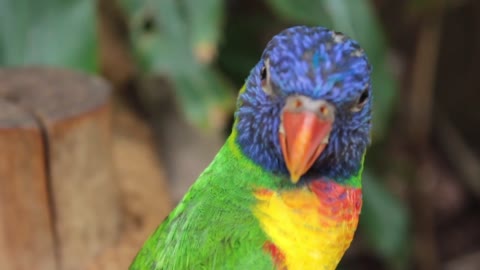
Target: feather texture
(244, 212)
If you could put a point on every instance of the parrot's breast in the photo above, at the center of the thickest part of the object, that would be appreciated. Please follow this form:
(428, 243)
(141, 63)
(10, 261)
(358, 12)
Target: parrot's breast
(310, 227)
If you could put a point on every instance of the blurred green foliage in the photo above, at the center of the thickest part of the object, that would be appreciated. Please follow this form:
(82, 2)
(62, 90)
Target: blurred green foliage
(49, 32)
(180, 40)
(385, 221)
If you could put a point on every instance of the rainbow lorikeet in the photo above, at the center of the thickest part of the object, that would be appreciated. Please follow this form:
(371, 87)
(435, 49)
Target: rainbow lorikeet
(284, 192)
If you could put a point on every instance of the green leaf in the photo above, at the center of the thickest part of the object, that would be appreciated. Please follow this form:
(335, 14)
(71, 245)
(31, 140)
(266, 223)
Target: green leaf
(204, 19)
(49, 32)
(159, 36)
(206, 96)
(358, 20)
(384, 220)
(164, 36)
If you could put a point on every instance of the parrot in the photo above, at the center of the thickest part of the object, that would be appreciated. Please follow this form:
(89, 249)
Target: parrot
(284, 191)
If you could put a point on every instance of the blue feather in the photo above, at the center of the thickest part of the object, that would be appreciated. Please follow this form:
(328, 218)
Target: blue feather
(321, 64)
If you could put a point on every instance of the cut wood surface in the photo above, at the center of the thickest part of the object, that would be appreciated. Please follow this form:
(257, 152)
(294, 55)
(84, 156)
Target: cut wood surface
(59, 204)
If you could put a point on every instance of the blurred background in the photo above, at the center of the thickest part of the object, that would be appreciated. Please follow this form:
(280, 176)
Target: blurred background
(175, 67)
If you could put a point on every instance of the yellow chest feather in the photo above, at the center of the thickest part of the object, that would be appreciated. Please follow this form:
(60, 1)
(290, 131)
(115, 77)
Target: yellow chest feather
(313, 226)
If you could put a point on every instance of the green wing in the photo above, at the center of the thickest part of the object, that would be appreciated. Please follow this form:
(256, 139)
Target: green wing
(212, 228)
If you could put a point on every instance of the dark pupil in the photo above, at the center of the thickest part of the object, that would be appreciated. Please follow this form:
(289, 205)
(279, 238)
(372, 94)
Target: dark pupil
(263, 73)
(363, 97)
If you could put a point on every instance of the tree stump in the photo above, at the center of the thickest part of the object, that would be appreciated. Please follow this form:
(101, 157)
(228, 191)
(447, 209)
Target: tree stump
(59, 203)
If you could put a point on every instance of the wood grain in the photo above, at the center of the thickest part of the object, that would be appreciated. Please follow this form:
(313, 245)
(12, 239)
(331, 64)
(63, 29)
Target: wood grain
(26, 230)
(69, 142)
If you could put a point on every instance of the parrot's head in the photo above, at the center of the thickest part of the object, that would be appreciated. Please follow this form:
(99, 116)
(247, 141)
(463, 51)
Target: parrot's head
(305, 111)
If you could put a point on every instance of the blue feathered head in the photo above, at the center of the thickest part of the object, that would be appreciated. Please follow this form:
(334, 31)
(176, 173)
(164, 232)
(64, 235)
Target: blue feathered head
(305, 111)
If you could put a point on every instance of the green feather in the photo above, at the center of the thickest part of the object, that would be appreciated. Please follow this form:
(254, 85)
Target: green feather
(213, 227)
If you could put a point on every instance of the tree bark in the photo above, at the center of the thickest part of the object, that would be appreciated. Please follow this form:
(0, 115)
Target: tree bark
(59, 203)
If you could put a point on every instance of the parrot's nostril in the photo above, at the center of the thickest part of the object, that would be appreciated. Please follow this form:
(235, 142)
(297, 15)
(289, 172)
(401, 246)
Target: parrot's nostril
(324, 110)
(298, 103)
(321, 108)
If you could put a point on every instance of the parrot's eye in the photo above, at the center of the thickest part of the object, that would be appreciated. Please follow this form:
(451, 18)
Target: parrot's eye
(265, 77)
(361, 101)
(263, 74)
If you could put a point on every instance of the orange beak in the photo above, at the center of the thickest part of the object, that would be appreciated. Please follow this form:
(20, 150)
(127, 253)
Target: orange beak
(304, 132)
